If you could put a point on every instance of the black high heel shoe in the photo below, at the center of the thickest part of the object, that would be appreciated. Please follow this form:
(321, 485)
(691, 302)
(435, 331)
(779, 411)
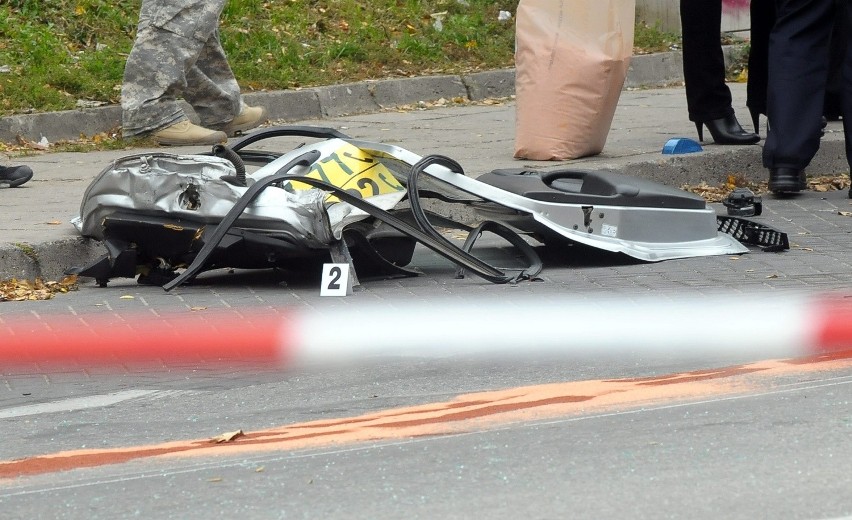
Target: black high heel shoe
(755, 120)
(726, 130)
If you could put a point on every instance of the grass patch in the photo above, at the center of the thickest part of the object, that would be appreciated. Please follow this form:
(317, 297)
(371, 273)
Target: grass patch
(651, 38)
(28, 250)
(55, 55)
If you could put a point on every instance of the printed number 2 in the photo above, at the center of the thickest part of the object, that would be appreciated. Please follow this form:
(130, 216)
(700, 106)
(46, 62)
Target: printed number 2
(335, 280)
(334, 273)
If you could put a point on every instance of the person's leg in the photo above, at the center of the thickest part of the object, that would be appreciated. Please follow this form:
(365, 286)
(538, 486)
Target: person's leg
(707, 95)
(846, 94)
(212, 89)
(837, 57)
(214, 93)
(170, 36)
(762, 14)
(798, 65)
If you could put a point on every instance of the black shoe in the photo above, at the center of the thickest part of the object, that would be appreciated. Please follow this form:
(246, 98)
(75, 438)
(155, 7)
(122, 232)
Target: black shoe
(787, 180)
(14, 176)
(726, 130)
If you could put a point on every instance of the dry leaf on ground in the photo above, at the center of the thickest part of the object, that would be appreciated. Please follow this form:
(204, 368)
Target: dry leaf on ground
(821, 184)
(227, 437)
(29, 290)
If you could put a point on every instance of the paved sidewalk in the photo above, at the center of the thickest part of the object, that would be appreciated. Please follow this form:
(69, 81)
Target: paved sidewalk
(36, 238)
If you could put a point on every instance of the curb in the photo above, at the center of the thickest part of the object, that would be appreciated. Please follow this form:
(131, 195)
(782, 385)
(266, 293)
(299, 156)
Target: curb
(47, 260)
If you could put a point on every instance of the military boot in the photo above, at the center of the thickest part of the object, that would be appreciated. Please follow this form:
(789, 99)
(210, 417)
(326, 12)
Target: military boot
(249, 118)
(186, 133)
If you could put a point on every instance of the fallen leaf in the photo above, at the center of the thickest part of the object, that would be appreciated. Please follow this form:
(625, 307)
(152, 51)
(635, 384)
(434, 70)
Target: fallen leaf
(260, 469)
(197, 308)
(845, 213)
(215, 479)
(719, 192)
(26, 290)
(227, 437)
(53, 223)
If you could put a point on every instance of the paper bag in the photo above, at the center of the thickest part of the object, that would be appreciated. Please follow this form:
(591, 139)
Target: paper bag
(571, 61)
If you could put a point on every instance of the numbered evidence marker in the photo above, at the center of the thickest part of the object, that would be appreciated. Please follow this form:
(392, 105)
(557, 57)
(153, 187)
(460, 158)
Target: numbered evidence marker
(335, 280)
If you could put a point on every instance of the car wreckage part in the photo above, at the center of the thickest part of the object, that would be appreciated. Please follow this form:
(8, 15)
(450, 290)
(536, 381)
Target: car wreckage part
(227, 223)
(604, 210)
(756, 325)
(610, 212)
(532, 258)
(754, 233)
(433, 241)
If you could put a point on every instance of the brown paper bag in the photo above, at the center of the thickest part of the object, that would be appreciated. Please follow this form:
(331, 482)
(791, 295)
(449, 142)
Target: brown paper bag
(571, 61)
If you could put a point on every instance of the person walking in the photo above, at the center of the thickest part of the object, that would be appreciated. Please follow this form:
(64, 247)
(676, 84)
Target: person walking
(708, 98)
(177, 53)
(14, 176)
(799, 57)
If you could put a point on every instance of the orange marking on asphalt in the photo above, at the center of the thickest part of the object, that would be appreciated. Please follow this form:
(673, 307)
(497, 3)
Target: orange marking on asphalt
(469, 412)
(697, 375)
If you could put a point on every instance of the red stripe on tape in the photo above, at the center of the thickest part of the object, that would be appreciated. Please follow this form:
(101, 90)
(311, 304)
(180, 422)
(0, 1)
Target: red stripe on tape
(832, 319)
(176, 338)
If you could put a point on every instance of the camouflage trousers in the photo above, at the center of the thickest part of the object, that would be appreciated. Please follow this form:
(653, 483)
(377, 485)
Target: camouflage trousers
(177, 54)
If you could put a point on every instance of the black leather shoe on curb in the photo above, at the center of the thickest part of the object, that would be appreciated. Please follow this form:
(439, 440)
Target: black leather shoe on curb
(14, 176)
(787, 180)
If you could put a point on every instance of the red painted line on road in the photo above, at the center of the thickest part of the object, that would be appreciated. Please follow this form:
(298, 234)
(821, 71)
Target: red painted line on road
(472, 412)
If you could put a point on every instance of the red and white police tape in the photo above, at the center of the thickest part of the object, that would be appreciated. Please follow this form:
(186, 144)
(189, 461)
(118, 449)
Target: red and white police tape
(771, 325)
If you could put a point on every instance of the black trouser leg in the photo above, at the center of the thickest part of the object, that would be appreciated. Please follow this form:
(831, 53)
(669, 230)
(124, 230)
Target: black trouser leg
(707, 95)
(846, 94)
(798, 68)
(762, 14)
(836, 59)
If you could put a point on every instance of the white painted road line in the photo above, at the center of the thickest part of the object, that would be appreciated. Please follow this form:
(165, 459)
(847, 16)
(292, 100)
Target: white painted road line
(75, 404)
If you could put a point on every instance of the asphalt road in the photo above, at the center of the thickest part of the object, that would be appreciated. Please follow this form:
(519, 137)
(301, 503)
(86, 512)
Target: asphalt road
(637, 436)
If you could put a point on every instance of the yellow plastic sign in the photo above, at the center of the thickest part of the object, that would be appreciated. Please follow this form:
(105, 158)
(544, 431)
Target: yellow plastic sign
(354, 170)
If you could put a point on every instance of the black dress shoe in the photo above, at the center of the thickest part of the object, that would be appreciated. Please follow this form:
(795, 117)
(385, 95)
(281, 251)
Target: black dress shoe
(14, 176)
(726, 130)
(787, 180)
